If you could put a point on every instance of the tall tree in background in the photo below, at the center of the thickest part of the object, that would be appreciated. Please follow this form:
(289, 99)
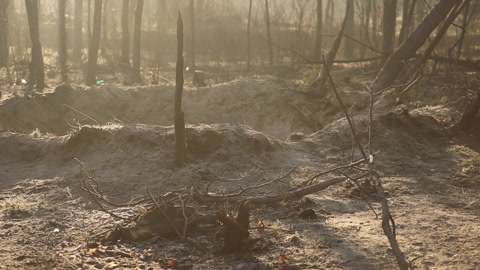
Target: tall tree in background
(37, 72)
(3, 33)
(94, 44)
(137, 30)
(192, 34)
(317, 50)
(350, 30)
(125, 58)
(248, 34)
(161, 26)
(414, 41)
(389, 20)
(77, 31)
(407, 17)
(62, 39)
(269, 35)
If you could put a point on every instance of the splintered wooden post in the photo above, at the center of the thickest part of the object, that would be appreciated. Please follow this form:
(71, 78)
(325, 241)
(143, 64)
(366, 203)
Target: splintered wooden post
(180, 144)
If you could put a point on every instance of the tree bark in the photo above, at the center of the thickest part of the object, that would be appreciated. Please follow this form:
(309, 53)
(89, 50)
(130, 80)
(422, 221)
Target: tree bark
(94, 44)
(37, 72)
(3, 33)
(414, 41)
(269, 36)
(317, 50)
(137, 30)
(62, 40)
(77, 31)
(125, 58)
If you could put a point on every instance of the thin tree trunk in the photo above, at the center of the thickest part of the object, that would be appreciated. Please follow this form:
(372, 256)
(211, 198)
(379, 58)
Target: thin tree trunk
(94, 44)
(62, 40)
(350, 30)
(137, 30)
(389, 21)
(125, 58)
(179, 118)
(77, 31)
(317, 50)
(440, 33)
(465, 23)
(161, 25)
(89, 22)
(407, 5)
(3, 33)
(37, 73)
(248, 34)
(269, 36)
(192, 34)
(375, 24)
(414, 41)
(319, 83)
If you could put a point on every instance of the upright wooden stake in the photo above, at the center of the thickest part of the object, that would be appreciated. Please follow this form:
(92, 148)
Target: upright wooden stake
(180, 144)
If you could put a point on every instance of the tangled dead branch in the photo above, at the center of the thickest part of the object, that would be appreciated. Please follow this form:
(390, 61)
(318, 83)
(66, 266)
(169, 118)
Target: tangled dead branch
(375, 178)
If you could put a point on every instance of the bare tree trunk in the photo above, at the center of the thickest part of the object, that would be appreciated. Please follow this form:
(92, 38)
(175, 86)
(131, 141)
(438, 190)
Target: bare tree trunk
(414, 41)
(269, 36)
(349, 30)
(179, 119)
(137, 30)
(192, 34)
(407, 17)
(62, 40)
(248, 34)
(89, 22)
(3, 33)
(375, 23)
(319, 83)
(77, 31)
(94, 44)
(440, 33)
(389, 21)
(125, 58)
(37, 73)
(317, 50)
(161, 26)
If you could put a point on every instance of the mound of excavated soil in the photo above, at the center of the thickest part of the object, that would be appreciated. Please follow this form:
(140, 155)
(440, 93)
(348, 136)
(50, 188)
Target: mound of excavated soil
(262, 103)
(267, 104)
(432, 180)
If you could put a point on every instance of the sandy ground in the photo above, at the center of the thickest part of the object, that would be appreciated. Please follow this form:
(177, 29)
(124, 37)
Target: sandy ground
(239, 129)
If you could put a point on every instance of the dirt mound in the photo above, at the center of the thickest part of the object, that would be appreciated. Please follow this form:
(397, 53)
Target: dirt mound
(263, 103)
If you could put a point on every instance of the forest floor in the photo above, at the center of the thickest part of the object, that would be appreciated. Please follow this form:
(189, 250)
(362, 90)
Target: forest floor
(238, 129)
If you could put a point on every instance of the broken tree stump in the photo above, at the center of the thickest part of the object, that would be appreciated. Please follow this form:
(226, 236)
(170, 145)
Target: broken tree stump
(235, 231)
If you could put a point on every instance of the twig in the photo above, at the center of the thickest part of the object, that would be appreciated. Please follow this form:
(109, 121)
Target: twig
(75, 110)
(243, 190)
(344, 109)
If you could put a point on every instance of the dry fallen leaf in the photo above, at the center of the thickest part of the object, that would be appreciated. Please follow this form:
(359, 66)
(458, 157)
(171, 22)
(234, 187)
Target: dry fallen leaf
(92, 251)
(260, 227)
(171, 262)
(283, 259)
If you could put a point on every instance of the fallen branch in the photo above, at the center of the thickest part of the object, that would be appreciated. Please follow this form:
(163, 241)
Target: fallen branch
(291, 195)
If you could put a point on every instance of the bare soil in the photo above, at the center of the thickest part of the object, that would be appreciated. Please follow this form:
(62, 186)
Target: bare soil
(238, 130)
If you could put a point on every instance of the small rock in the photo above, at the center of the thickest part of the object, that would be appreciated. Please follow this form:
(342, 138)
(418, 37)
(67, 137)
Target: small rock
(308, 214)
